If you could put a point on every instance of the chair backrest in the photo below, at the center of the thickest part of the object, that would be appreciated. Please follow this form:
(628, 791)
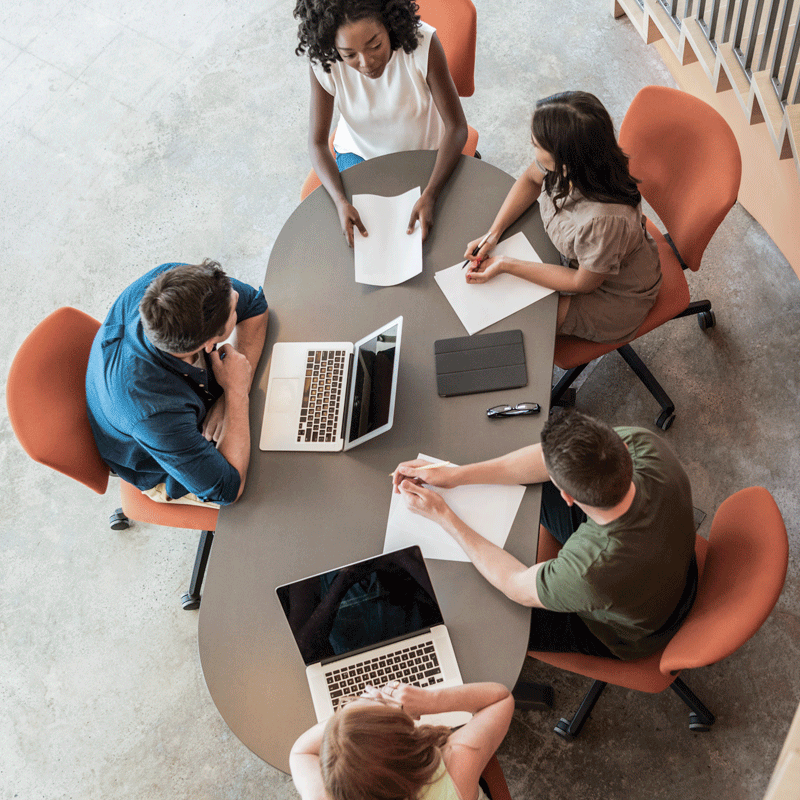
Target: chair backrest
(745, 569)
(495, 780)
(456, 23)
(688, 162)
(46, 397)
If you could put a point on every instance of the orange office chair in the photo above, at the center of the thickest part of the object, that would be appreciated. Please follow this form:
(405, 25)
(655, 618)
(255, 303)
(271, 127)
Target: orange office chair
(456, 23)
(688, 162)
(742, 568)
(46, 397)
(494, 782)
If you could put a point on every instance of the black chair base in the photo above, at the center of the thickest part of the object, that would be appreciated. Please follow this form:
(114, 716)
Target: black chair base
(700, 718)
(532, 696)
(191, 599)
(705, 319)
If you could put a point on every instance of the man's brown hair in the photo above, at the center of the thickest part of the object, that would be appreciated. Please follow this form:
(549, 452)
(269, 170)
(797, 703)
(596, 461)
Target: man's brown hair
(186, 306)
(586, 458)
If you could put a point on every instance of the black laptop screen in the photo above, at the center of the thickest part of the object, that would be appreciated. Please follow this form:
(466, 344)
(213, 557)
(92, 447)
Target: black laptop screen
(361, 605)
(372, 389)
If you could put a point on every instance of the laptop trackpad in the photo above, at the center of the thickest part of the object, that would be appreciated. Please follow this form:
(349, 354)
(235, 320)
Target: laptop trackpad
(285, 395)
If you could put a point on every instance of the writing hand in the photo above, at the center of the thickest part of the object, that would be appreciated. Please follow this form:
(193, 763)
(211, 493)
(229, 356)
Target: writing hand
(443, 477)
(423, 501)
(484, 249)
(482, 271)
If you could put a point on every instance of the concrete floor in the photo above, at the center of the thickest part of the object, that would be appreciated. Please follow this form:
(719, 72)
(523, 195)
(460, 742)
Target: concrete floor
(142, 132)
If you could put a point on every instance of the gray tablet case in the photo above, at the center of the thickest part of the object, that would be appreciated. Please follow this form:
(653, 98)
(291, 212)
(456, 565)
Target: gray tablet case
(486, 362)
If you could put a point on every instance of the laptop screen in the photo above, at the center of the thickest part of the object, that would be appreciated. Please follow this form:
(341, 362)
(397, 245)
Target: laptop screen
(360, 606)
(373, 384)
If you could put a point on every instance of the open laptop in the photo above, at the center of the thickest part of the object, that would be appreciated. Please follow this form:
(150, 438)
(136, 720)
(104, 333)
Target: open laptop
(331, 395)
(371, 622)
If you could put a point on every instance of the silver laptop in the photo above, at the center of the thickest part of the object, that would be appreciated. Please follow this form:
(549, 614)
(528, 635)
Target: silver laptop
(370, 623)
(331, 395)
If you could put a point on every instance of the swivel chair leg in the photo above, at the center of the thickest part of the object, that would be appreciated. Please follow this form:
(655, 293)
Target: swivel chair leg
(564, 383)
(530, 696)
(569, 728)
(191, 599)
(700, 718)
(667, 415)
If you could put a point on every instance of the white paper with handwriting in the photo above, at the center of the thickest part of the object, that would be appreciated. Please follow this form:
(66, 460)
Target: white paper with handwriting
(479, 305)
(388, 254)
(489, 510)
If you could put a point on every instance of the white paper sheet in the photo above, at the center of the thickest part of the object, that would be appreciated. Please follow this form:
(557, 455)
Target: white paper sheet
(387, 255)
(489, 510)
(479, 305)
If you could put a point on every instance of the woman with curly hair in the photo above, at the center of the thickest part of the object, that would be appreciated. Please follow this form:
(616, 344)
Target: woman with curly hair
(387, 73)
(591, 208)
(371, 749)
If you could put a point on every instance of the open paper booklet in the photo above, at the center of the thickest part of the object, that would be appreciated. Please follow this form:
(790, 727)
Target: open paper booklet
(489, 510)
(387, 255)
(479, 305)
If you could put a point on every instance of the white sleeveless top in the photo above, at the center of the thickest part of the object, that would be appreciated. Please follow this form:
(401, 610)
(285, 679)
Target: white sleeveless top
(389, 114)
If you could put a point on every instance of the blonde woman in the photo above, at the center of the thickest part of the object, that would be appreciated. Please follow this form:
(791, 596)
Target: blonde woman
(371, 748)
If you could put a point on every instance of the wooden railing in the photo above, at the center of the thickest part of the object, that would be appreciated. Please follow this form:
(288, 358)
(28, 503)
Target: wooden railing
(751, 46)
(748, 50)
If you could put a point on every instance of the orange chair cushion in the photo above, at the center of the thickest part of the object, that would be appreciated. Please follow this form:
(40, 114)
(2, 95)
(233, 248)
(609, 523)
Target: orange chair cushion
(688, 162)
(456, 23)
(140, 507)
(495, 780)
(743, 578)
(673, 298)
(46, 397)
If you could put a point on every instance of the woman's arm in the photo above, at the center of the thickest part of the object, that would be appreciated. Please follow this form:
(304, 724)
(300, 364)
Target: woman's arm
(469, 749)
(551, 276)
(445, 96)
(304, 764)
(321, 114)
(522, 195)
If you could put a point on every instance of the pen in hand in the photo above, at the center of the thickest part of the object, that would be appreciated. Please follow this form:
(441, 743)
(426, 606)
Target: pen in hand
(481, 243)
(428, 466)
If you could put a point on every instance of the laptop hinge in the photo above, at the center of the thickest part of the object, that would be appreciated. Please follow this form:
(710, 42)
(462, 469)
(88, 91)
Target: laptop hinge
(346, 412)
(340, 657)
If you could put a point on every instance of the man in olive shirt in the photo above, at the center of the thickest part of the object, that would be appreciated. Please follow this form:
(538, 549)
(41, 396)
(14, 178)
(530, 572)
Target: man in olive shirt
(621, 505)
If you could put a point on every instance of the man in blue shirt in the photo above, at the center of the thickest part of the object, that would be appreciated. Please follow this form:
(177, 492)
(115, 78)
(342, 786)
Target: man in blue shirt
(169, 410)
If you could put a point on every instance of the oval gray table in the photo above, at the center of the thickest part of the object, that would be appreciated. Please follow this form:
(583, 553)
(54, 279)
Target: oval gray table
(304, 513)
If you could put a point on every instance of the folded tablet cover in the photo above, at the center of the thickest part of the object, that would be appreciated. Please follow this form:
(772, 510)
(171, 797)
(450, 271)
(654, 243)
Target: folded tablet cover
(483, 363)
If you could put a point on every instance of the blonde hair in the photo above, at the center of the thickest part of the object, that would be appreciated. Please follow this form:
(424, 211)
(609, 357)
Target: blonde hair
(376, 752)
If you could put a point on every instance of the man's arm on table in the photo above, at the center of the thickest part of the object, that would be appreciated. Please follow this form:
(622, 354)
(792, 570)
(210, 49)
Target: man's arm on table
(522, 466)
(501, 569)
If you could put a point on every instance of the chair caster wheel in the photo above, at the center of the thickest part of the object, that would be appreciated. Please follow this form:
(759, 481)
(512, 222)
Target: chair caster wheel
(190, 603)
(706, 320)
(697, 725)
(665, 420)
(562, 729)
(118, 521)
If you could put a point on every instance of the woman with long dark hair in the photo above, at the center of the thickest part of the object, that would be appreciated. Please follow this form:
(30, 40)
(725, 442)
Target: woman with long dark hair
(371, 748)
(592, 211)
(386, 72)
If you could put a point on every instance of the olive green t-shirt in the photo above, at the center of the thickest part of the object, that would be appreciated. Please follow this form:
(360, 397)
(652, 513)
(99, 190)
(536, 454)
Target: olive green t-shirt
(625, 579)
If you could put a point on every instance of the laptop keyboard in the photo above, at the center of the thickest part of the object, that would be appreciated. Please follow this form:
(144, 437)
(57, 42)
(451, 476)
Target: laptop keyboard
(322, 395)
(416, 665)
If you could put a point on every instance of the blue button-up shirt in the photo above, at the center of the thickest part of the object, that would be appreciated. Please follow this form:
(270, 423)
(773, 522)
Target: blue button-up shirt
(146, 407)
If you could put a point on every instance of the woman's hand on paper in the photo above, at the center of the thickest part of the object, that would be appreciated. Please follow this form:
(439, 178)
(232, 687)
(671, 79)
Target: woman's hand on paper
(422, 213)
(481, 271)
(348, 219)
(484, 249)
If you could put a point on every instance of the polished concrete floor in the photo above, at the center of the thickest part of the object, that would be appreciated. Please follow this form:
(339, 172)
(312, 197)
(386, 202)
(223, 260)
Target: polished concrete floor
(139, 132)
